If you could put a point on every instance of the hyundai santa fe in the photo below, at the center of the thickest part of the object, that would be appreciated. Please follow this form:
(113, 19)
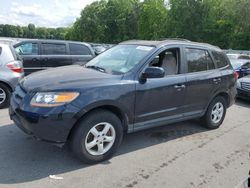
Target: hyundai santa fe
(133, 86)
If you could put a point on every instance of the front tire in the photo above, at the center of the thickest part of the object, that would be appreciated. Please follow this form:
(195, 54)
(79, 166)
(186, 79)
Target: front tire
(215, 114)
(97, 137)
(5, 94)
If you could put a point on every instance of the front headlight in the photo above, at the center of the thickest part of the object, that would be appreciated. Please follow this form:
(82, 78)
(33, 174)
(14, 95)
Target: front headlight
(51, 99)
(238, 84)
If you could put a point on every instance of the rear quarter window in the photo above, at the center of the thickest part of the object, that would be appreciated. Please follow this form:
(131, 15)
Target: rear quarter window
(79, 49)
(0, 50)
(220, 59)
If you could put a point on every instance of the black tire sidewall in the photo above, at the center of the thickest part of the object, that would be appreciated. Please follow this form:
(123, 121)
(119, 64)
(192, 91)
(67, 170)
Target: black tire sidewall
(207, 118)
(7, 99)
(82, 129)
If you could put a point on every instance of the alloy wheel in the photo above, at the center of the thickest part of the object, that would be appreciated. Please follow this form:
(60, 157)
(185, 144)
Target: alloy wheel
(100, 138)
(217, 112)
(2, 96)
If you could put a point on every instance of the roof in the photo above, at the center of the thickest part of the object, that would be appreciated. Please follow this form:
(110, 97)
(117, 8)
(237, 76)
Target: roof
(51, 41)
(5, 43)
(161, 43)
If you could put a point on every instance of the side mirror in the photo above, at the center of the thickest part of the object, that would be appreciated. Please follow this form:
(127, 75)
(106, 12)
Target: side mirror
(153, 72)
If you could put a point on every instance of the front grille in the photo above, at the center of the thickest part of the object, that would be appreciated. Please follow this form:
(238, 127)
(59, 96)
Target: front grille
(19, 94)
(245, 86)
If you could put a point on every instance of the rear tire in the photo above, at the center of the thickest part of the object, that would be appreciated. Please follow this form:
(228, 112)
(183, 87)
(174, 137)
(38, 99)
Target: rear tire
(215, 113)
(91, 142)
(5, 94)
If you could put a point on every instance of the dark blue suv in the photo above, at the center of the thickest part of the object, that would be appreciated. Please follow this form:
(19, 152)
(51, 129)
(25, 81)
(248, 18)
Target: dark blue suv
(133, 86)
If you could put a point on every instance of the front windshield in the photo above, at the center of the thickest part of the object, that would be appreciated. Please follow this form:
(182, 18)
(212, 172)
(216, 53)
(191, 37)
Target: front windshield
(119, 59)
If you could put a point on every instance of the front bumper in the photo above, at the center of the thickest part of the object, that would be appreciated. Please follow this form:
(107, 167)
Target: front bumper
(49, 124)
(243, 94)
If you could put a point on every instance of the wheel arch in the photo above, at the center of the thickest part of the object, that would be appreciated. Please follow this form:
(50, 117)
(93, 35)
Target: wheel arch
(7, 85)
(226, 96)
(112, 108)
(223, 94)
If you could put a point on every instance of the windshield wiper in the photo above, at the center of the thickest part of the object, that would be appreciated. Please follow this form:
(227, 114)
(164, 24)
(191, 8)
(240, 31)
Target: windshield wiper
(96, 68)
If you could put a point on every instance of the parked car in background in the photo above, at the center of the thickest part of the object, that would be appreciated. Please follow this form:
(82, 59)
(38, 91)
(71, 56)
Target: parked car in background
(238, 56)
(243, 87)
(241, 66)
(133, 86)
(11, 71)
(99, 48)
(39, 54)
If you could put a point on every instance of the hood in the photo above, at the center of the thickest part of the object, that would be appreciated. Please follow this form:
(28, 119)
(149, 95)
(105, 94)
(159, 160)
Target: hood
(245, 79)
(65, 78)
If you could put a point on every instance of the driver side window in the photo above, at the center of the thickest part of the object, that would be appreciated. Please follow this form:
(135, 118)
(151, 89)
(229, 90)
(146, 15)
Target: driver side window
(168, 60)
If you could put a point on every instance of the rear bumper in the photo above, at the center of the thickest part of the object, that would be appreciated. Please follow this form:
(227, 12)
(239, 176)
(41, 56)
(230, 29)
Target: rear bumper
(232, 95)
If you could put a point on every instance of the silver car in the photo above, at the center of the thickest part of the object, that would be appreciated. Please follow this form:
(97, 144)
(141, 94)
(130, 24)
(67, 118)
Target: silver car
(11, 71)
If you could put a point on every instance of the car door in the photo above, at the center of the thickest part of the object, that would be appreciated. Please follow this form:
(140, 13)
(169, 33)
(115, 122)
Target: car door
(80, 53)
(160, 99)
(203, 80)
(29, 51)
(54, 54)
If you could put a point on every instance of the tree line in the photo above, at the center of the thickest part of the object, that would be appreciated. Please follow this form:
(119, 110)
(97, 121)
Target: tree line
(225, 23)
(31, 31)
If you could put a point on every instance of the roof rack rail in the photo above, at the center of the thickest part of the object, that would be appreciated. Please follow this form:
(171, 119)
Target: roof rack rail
(180, 39)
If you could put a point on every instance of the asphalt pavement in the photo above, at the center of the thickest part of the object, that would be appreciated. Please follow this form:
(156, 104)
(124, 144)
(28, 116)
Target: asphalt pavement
(179, 155)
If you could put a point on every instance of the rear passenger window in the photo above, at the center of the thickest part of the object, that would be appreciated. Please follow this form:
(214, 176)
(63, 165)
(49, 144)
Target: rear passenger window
(220, 59)
(198, 60)
(53, 49)
(0, 50)
(79, 49)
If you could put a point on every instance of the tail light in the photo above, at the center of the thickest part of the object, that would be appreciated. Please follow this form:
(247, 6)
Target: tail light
(236, 75)
(15, 66)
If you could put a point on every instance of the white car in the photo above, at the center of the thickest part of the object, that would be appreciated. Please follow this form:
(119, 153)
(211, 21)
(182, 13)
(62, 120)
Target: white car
(11, 71)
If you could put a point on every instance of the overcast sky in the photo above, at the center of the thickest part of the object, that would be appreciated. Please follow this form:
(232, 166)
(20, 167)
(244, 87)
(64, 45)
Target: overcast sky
(48, 13)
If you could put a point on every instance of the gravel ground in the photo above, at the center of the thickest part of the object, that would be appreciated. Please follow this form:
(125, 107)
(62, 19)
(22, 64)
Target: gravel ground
(180, 155)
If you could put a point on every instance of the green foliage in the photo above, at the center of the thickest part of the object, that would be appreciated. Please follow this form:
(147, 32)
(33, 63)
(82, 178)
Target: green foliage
(185, 19)
(32, 32)
(152, 19)
(106, 21)
(225, 23)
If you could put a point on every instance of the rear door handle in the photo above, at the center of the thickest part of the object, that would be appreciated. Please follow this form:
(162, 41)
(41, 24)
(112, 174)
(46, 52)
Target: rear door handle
(217, 80)
(34, 59)
(179, 86)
